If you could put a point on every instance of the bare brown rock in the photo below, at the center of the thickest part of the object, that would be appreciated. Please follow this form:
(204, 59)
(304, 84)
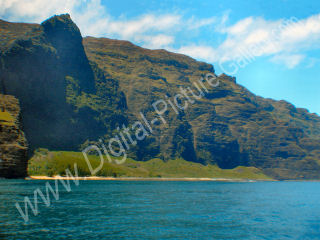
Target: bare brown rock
(13, 145)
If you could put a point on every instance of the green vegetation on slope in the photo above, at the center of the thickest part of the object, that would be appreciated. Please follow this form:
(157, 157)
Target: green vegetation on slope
(47, 163)
(6, 118)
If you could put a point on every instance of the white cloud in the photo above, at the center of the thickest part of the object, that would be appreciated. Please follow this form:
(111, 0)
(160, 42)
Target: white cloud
(240, 27)
(303, 29)
(194, 23)
(158, 41)
(257, 36)
(128, 29)
(34, 10)
(199, 52)
(290, 61)
(283, 40)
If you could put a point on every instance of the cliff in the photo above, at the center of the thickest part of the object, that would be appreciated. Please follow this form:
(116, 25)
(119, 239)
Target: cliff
(75, 91)
(65, 99)
(13, 145)
(229, 126)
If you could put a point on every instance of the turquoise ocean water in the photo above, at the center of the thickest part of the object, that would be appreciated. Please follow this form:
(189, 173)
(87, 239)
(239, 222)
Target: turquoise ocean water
(164, 210)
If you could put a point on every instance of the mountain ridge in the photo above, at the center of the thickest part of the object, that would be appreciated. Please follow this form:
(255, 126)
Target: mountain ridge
(102, 83)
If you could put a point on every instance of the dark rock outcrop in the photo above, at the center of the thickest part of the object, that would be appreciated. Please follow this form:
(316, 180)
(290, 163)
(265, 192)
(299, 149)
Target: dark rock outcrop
(65, 99)
(13, 145)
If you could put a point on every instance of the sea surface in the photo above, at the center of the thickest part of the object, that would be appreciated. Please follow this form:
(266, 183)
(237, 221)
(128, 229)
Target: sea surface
(163, 210)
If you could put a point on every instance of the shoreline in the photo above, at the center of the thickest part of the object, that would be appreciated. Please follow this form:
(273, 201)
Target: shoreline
(176, 179)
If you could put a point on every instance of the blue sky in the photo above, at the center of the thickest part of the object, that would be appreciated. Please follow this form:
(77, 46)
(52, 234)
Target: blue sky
(272, 47)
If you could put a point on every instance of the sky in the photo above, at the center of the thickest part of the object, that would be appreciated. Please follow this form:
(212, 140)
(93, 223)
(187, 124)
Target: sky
(271, 47)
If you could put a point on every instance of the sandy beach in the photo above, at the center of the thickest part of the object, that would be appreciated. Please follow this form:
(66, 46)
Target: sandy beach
(142, 179)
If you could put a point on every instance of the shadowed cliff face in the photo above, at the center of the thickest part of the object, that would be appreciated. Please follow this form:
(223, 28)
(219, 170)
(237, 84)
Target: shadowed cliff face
(47, 69)
(68, 100)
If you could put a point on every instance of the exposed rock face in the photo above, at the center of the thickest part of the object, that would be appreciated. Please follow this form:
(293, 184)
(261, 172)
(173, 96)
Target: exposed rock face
(65, 99)
(230, 126)
(74, 91)
(13, 145)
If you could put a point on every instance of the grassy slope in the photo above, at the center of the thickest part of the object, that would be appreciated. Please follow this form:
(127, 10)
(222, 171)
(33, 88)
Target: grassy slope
(54, 163)
(6, 119)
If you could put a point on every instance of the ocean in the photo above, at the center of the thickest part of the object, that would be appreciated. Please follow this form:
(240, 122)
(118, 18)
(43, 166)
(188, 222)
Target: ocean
(163, 210)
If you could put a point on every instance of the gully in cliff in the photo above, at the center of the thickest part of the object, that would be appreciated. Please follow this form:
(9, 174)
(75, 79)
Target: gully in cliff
(119, 144)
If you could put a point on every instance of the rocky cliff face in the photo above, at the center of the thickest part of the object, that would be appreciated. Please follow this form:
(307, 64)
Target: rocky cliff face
(229, 126)
(74, 91)
(65, 99)
(13, 145)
